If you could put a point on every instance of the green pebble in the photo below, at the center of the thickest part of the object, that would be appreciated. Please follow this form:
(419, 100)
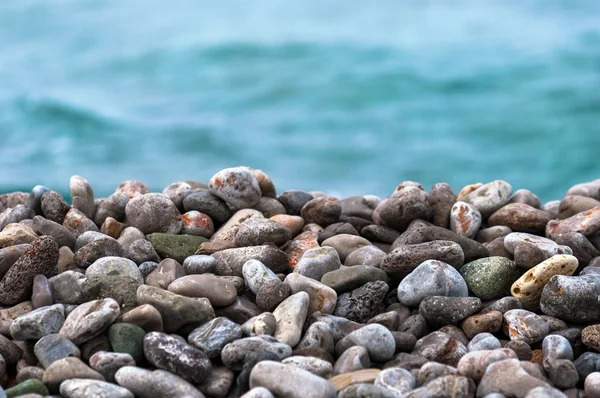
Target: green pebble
(177, 247)
(127, 338)
(31, 386)
(490, 277)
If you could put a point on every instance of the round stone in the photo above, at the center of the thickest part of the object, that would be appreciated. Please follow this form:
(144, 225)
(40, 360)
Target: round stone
(490, 277)
(153, 212)
(238, 186)
(431, 278)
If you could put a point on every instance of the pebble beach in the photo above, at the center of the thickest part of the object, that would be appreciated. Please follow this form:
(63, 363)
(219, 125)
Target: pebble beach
(229, 288)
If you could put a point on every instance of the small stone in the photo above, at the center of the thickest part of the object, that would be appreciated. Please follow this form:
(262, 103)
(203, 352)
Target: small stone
(206, 203)
(238, 186)
(177, 192)
(349, 278)
(66, 369)
(16, 234)
(214, 335)
(587, 363)
(120, 288)
(176, 310)
(582, 248)
(508, 378)
(144, 383)
(362, 303)
(197, 224)
(258, 231)
(258, 392)
(402, 207)
(38, 323)
(256, 274)
(587, 223)
(153, 212)
(111, 207)
(378, 341)
(29, 372)
(299, 245)
(54, 207)
(440, 347)
(9, 351)
(263, 324)
(433, 370)
(82, 196)
(63, 236)
(231, 261)
(489, 197)
(269, 207)
(441, 310)
(199, 264)
(290, 381)
(293, 201)
(316, 366)
(53, 347)
(218, 291)
(293, 223)
(441, 198)
(112, 227)
(271, 294)
(492, 233)
(41, 295)
(318, 335)
(527, 197)
(520, 217)
(235, 354)
(130, 235)
(359, 206)
(240, 311)
(97, 344)
(145, 316)
(525, 326)
(474, 364)
(367, 255)
(574, 204)
(9, 255)
(34, 201)
(40, 258)
(114, 266)
(404, 259)
(177, 247)
(89, 320)
(488, 322)
(290, 316)
(592, 385)
(322, 211)
(316, 262)
(108, 363)
(82, 388)
(484, 341)
(431, 278)
(528, 288)
(176, 356)
(397, 380)
(465, 219)
(167, 272)
(489, 278)
(322, 298)
(99, 248)
(572, 298)
(127, 338)
(77, 223)
(142, 251)
(27, 387)
(345, 244)
(353, 359)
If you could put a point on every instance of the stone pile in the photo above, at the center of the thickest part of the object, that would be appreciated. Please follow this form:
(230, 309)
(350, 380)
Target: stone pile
(228, 290)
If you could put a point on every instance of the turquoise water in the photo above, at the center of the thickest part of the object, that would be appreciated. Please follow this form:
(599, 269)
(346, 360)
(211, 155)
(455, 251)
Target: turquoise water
(344, 97)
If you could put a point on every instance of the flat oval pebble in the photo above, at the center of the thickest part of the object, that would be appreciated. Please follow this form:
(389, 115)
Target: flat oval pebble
(440, 347)
(397, 380)
(83, 388)
(489, 197)
(322, 298)
(114, 266)
(316, 262)
(442, 310)
(108, 363)
(508, 378)
(89, 320)
(290, 316)
(572, 298)
(378, 341)
(525, 326)
(431, 278)
(345, 244)
(220, 292)
(258, 231)
(235, 354)
(38, 323)
(465, 219)
(404, 259)
(214, 335)
(290, 381)
(53, 347)
(520, 217)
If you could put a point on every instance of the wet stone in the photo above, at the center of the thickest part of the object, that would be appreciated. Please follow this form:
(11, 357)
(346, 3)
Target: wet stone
(362, 303)
(176, 356)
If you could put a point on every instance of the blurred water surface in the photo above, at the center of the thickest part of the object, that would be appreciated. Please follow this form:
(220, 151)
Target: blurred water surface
(344, 97)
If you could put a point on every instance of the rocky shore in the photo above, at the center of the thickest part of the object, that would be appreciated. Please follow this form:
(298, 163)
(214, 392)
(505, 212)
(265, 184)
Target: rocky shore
(228, 289)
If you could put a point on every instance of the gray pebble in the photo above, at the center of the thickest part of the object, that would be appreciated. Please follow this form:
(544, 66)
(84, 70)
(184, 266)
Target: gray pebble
(290, 381)
(316, 262)
(158, 383)
(362, 303)
(89, 320)
(214, 335)
(209, 204)
(378, 341)
(108, 363)
(113, 207)
(141, 251)
(199, 264)
(53, 347)
(38, 323)
(404, 259)
(153, 212)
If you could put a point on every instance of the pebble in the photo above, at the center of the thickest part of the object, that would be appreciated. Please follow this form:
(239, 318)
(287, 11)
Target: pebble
(431, 278)
(32, 387)
(220, 292)
(527, 197)
(574, 204)
(404, 259)
(63, 236)
(209, 204)
(440, 347)
(128, 339)
(442, 310)
(177, 192)
(82, 196)
(362, 303)
(176, 356)
(240, 311)
(263, 324)
(108, 363)
(473, 364)
(525, 326)
(465, 219)
(112, 227)
(34, 201)
(235, 354)
(256, 274)
(396, 380)
(130, 235)
(9, 255)
(433, 370)
(144, 383)
(54, 207)
(359, 206)
(258, 231)
(582, 248)
(290, 316)
(318, 335)
(41, 295)
(491, 233)
(101, 248)
(587, 363)
(153, 212)
(231, 261)
(175, 310)
(269, 207)
(488, 322)
(293, 223)
(111, 207)
(367, 255)
(322, 298)
(132, 188)
(77, 223)
(290, 381)
(177, 247)
(89, 320)
(114, 266)
(258, 392)
(199, 264)
(379, 233)
(120, 288)
(238, 186)
(497, 375)
(402, 207)
(145, 316)
(214, 335)
(528, 288)
(316, 262)
(66, 369)
(587, 223)
(53, 347)
(520, 217)
(592, 385)
(489, 197)
(142, 251)
(40, 258)
(83, 388)
(313, 365)
(197, 224)
(271, 294)
(345, 244)
(321, 210)
(353, 359)
(299, 245)
(38, 323)
(441, 199)
(378, 341)
(218, 383)
(572, 298)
